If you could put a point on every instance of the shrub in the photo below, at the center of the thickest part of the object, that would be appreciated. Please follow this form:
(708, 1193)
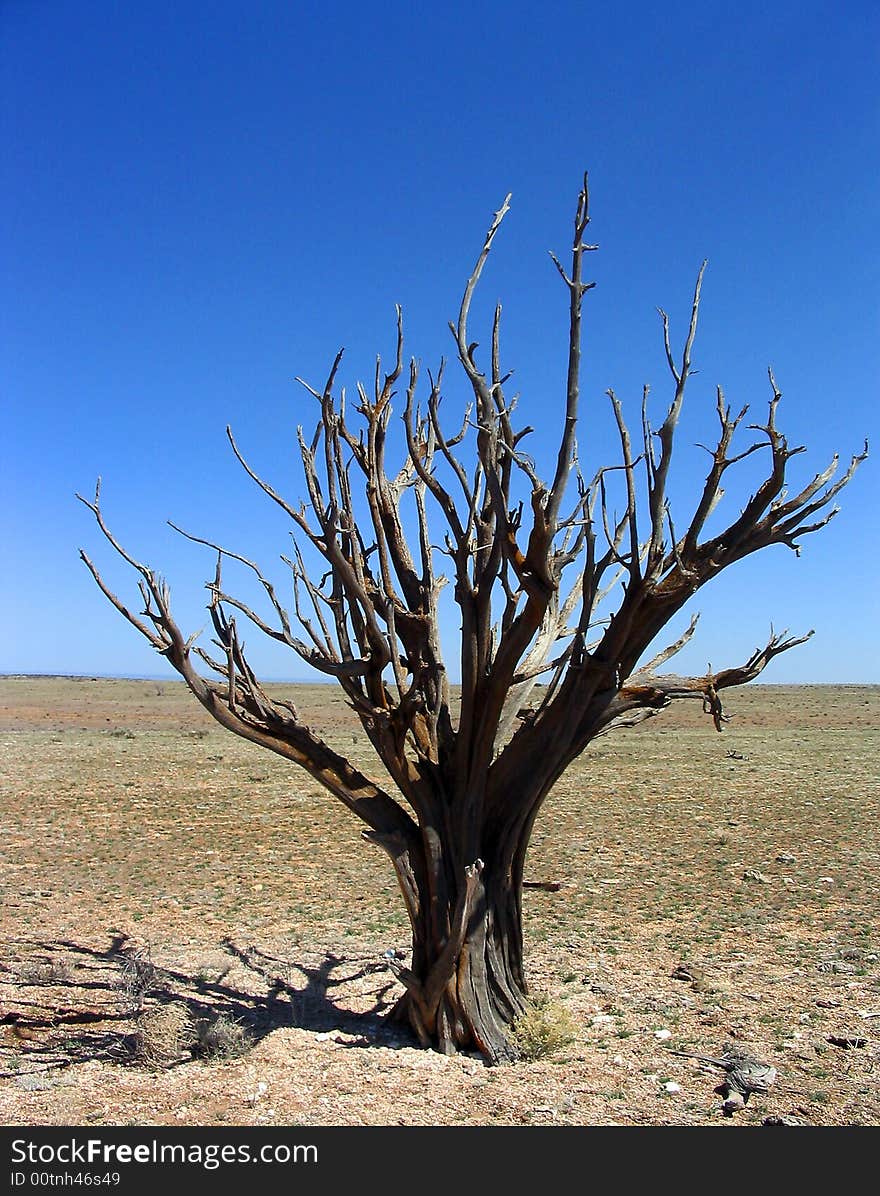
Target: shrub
(223, 1037)
(163, 1036)
(544, 1029)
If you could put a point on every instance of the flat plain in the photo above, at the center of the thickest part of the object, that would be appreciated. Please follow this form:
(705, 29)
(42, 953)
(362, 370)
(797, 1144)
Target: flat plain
(700, 889)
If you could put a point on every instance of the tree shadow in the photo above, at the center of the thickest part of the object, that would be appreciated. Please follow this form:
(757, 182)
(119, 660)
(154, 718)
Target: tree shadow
(69, 1002)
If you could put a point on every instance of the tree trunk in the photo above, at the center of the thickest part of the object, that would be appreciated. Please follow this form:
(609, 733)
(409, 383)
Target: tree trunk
(466, 985)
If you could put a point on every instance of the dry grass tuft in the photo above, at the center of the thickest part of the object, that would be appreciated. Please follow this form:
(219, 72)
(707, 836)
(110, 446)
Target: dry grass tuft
(137, 978)
(223, 1037)
(164, 1035)
(545, 1029)
(43, 972)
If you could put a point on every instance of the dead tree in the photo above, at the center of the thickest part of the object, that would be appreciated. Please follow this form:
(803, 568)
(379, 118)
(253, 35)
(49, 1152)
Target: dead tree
(573, 595)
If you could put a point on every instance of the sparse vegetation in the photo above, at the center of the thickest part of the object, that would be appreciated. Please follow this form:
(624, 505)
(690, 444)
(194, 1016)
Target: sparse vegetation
(40, 972)
(137, 977)
(222, 1037)
(142, 838)
(164, 1035)
(545, 1029)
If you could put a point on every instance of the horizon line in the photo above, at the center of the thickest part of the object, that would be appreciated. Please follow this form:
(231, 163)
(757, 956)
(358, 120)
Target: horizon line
(157, 678)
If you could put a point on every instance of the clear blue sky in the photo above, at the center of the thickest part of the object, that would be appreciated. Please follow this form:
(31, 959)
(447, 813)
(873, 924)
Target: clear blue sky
(200, 201)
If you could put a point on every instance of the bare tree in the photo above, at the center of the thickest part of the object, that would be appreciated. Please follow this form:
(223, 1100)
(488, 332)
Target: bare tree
(533, 580)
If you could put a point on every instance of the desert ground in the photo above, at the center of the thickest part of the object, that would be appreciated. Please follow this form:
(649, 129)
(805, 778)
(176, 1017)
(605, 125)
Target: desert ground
(193, 932)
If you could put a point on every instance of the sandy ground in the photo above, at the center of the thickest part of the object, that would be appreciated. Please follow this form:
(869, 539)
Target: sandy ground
(163, 882)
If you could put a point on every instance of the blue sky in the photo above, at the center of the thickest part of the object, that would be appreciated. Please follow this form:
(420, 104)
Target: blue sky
(200, 201)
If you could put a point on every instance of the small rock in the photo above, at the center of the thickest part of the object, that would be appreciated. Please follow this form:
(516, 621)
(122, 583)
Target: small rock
(785, 857)
(662, 1035)
(755, 875)
(826, 880)
(733, 1103)
(671, 1087)
(781, 1119)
